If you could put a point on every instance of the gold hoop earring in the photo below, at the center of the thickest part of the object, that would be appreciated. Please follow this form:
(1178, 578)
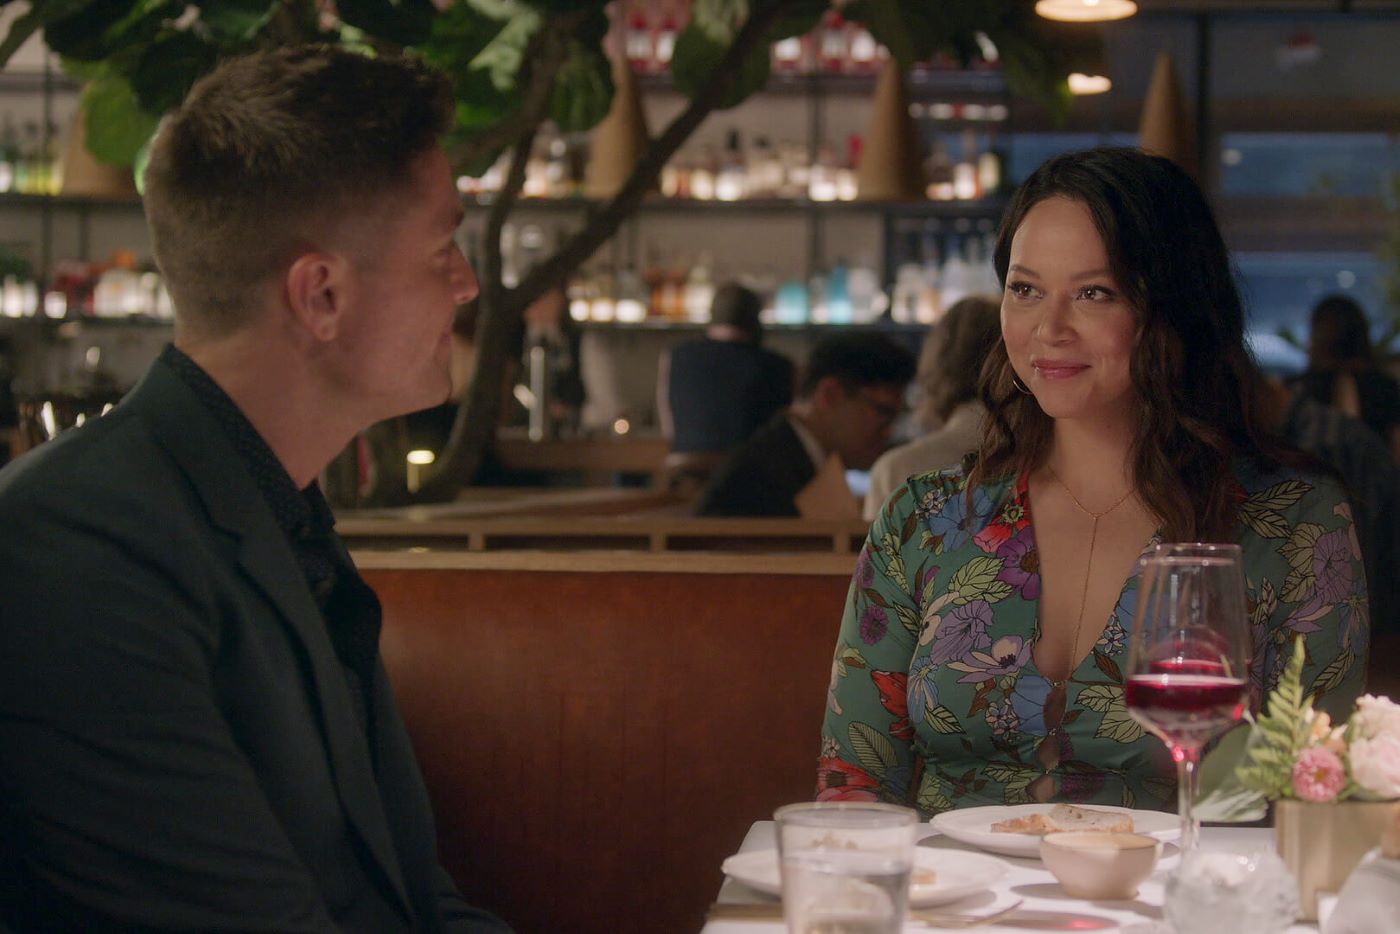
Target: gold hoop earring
(1020, 386)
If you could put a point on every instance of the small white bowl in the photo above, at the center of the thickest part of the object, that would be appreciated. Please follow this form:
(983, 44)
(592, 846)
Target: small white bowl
(1100, 866)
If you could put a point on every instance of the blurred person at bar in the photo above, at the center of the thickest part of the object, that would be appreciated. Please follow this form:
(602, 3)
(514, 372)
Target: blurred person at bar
(949, 362)
(196, 728)
(851, 394)
(712, 393)
(981, 656)
(1343, 371)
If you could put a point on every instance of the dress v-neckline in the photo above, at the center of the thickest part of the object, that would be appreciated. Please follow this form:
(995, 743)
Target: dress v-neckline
(1022, 496)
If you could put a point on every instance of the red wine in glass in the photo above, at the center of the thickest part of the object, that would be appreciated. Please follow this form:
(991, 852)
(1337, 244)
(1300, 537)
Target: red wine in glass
(1188, 659)
(1186, 709)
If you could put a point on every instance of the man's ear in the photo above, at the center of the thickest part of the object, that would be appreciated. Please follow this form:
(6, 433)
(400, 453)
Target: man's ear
(318, 291)
(829, 392)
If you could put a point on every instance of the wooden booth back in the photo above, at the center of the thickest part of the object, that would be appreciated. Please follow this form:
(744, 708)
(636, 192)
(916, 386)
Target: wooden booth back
(596, 741)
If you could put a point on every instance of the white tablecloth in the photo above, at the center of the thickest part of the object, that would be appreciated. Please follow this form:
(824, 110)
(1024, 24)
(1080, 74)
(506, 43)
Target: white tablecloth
(1045, 906)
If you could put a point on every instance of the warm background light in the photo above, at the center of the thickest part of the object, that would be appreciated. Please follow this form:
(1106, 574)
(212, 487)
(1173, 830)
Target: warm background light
(1089, 84)
(1085, 11)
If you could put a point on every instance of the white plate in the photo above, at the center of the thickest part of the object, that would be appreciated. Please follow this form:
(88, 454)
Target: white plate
(956, 874)
(974, 826)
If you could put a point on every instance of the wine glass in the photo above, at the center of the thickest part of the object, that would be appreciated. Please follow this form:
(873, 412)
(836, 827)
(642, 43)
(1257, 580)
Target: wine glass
(1187, 677)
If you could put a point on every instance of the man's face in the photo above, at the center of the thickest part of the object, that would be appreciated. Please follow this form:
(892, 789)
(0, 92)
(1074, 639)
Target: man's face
(397, 337)
(862, 420)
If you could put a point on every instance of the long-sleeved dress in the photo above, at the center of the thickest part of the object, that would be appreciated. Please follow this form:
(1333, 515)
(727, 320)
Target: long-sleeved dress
(935, 699)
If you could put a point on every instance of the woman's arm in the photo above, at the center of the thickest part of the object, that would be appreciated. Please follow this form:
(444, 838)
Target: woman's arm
(867, 739)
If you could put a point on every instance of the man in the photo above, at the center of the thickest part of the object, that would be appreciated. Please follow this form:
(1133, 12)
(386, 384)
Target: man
(795, 465)
(716, 391)
(196, 730)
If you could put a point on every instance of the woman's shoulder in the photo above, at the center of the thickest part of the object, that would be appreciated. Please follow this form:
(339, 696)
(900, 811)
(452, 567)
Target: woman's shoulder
(1271, 495)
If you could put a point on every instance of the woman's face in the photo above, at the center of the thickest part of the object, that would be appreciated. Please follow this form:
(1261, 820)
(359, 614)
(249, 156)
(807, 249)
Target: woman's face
(1068, 329)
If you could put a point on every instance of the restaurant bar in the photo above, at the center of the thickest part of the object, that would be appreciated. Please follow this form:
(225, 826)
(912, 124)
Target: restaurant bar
(700, 465)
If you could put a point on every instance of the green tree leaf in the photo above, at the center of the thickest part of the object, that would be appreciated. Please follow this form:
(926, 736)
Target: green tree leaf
(698, 55)
(406, 22)
(234, 22)
(168, 68)
(117, 125)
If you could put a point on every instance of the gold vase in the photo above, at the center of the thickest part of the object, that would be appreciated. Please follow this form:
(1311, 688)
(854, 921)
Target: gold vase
(1322, 843)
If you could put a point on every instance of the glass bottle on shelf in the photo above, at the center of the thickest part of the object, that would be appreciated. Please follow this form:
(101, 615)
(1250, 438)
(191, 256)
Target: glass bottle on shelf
(989, 169)
(846, 188)
(835, 42)
(730, 182)
(702, 175)
(699, 290)
(790, 305)
(956, 278)
(9, 154)
(664, 42)
(27, 163)
(868, 302)
(839, 309)
(930, 306)
(632, 296)
(765, 170)
(908, 289)
(821, 178)
(641, 50)
(796, 170)
(939, 171)
(965, 171)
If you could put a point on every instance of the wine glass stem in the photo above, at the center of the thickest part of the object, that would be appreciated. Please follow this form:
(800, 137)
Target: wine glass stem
(1187, 758)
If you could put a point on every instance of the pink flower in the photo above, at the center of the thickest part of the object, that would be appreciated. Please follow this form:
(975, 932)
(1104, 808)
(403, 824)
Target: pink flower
(1318, 775)
(1375, 764)
(1376, 716)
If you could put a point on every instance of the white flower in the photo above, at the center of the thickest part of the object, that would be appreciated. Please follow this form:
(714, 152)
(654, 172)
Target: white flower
(1375, 764)
(1376, 716)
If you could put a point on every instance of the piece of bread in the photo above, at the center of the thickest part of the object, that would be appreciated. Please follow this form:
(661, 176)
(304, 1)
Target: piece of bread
(1066, 817)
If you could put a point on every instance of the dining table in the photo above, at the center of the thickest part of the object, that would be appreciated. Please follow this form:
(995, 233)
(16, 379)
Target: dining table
(1044, 906)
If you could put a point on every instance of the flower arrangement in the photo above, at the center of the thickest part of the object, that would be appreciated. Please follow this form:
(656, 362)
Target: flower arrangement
(1296, 752)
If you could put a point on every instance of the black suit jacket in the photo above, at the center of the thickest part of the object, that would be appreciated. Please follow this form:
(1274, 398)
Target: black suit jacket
(762, 477)
(722, 391)
(178, 748)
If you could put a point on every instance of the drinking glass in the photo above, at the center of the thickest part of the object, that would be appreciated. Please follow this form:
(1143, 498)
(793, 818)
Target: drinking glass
(845, 866)
(1187, 676)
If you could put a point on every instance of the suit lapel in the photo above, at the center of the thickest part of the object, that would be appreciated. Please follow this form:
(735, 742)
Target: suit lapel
(235, 504)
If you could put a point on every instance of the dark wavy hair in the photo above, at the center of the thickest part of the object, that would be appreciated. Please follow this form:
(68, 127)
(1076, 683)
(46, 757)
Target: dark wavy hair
(1197, 408)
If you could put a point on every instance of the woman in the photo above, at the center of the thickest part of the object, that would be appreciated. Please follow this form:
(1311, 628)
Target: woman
(982, 651)
(1342, 370)
(949, 362)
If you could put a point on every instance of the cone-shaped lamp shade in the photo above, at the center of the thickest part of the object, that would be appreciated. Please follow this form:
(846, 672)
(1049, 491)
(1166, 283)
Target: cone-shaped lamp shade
(618, 141)
(83, 174)
(890, 167)
(1166, 128)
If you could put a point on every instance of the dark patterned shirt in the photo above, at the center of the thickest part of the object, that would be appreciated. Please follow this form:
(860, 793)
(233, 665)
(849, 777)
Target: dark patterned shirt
(348, 605)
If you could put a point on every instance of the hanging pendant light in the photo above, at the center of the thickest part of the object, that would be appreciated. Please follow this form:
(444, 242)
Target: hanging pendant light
(1085, 11)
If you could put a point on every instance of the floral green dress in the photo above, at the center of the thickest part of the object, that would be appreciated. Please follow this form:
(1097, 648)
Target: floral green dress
(935, 700)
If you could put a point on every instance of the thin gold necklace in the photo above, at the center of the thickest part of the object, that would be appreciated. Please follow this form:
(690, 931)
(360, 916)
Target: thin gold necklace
(1089, 565)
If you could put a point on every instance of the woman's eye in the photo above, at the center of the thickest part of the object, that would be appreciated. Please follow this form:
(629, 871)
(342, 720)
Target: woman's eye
(1096, 293)
(1021, 289)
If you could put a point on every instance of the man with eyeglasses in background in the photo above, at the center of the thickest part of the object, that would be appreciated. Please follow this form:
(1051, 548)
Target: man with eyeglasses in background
(851, 394)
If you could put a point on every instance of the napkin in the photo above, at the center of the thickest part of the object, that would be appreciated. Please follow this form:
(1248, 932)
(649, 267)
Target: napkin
(1369, 900)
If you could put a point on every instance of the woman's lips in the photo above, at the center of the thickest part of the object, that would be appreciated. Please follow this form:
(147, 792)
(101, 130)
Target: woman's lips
(1049, 370)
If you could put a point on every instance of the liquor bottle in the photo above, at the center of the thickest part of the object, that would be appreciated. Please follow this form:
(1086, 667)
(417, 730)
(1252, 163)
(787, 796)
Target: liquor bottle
(664, 42)
(939, 171)
(989, 170)
(864, 56)
(965, 186)
(797, 170)
(835, 42)
(26, 165)
(908, 287)
(791, 304)
(839, 309)
(730, 181)
(846, 188)
(632, 296)
(641, 50)
(702, 176)
(699, 290)
(956, 278)
(9, 154)
(868, 302)
(930, 307)
(821, 180)
(765, 170)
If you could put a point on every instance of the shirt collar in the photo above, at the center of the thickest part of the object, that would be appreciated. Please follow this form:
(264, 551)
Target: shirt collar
(299, 513)
(809, 441)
